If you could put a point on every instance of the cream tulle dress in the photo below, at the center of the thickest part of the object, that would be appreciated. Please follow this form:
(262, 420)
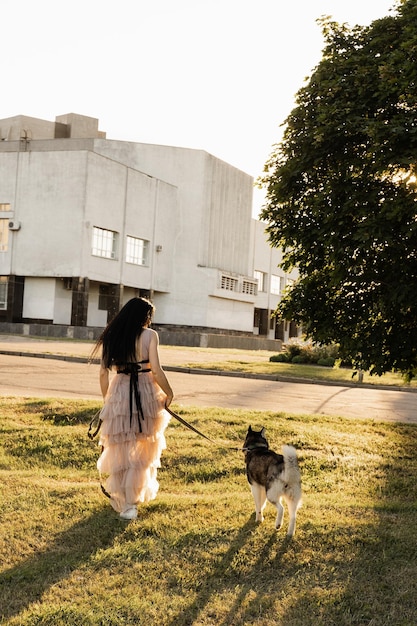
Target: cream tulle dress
(132, 443)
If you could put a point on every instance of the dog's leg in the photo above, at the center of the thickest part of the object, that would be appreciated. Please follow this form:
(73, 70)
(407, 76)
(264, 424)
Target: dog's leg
(280, 514)
(259, 496)
(274, 495)
(292, 512)
(275, 499)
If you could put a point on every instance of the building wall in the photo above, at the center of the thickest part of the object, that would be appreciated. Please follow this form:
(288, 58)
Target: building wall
(215, 200)
(130, 203)
(46, 192)
(21, 126)
(193, 209)
(58, 196)
(25, 128)
(39, 298)
(95, 316)
(211, 231)
(267, 260)
(63, 302)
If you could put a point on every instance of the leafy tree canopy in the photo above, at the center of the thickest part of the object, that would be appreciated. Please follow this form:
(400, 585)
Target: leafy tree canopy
(341, 194)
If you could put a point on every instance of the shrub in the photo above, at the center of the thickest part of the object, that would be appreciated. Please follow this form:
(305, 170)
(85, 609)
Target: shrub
(327, 361)
(300, 358)
(297, 351)
(282, 357)
(293, 349)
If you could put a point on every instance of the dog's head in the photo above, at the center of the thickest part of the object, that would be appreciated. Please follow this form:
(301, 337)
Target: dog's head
(255, 439)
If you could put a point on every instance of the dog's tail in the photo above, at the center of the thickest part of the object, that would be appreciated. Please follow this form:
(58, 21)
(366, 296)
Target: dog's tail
(292, 476)
(290, 458)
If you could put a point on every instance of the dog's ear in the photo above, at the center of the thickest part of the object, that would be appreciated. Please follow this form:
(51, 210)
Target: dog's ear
(250, 429)
(263, 432)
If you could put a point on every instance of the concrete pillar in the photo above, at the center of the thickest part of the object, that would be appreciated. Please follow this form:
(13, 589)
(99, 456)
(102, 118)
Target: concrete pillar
(80, 290)
(15, 288)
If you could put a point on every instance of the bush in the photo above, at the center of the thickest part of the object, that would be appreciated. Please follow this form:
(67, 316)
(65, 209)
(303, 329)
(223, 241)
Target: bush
(300, 358)
(293, 349)
(297, 351)
(328, 361)
(282, 357)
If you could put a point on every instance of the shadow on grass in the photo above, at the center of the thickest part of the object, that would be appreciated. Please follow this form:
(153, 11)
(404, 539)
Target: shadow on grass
(251, 595)
(370, 573)
(223, 576)
(26, 582)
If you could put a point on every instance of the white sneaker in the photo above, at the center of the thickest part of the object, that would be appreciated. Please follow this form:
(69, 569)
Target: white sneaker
(129, 513)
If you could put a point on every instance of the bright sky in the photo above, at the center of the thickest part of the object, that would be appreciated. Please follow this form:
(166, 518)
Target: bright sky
(216, 75)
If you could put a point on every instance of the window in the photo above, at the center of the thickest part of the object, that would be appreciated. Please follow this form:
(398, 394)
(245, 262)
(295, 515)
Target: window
(3, 293)
(4, 206)
(4, 234)
(229, 283)
(249, 287)
(238, 284)
(137, 251)
(275, 284)
(261, 278)
(104, 243)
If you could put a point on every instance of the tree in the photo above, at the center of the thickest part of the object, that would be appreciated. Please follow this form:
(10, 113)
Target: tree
(341, 194)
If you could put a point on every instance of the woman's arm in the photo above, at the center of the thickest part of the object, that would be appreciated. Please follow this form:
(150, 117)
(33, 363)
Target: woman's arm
(157, 371)
(104, 379)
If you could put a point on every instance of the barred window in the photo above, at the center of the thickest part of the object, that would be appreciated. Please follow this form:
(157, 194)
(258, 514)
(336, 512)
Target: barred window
(229, 283)
(249, 287)
(104, 243)
(137, 251)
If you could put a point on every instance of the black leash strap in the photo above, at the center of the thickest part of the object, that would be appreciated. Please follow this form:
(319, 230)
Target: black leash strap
(185, 423)
(93, 430)
(95, 425)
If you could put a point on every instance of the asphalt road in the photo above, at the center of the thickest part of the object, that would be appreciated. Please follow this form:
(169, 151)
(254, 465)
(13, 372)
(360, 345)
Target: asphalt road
(25, 376)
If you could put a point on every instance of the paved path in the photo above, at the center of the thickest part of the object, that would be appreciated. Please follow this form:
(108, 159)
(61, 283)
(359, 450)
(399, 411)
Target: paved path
(26, 376)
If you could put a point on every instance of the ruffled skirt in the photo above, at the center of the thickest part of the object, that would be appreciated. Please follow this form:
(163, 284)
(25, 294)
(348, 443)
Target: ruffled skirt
(131, 456)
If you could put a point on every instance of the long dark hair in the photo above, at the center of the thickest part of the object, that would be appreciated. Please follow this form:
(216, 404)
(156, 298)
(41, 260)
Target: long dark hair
(118, 339)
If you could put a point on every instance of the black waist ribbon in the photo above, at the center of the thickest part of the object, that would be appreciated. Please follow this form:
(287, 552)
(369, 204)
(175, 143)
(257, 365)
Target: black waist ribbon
(133, 370)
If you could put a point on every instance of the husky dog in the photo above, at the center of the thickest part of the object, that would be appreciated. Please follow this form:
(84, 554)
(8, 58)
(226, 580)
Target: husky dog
(274, 477)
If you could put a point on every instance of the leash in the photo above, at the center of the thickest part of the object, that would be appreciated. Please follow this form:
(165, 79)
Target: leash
(95, 425)
(190, 426)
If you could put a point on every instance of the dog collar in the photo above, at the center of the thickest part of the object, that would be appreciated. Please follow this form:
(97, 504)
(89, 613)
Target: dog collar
(256, 445)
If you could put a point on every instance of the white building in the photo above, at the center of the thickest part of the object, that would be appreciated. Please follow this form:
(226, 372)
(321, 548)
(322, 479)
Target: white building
(86, 223)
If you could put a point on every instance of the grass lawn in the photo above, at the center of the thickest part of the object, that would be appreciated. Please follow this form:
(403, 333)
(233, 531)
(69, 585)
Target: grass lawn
(195, 556)
(298, 371)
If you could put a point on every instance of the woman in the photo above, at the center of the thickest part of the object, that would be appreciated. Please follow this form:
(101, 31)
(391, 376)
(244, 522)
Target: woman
(133, 416)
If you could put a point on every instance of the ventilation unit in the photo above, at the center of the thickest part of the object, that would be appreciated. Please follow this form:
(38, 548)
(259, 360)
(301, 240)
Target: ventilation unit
(14, 225)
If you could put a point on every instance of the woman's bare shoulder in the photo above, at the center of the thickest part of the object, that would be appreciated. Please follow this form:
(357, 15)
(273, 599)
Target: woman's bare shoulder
(148, 336)
(150, 332)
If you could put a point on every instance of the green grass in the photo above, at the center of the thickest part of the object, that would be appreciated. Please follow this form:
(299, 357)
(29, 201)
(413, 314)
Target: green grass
(301, 371)
(195, 555)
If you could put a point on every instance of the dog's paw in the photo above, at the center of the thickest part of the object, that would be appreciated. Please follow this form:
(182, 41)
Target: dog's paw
(259, 518)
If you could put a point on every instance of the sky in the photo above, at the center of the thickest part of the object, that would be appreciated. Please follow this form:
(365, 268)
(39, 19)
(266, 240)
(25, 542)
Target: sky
(213, 75)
